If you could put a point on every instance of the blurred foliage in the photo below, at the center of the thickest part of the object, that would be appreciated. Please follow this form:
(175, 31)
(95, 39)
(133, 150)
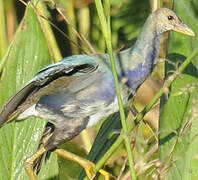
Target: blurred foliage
(19, 62)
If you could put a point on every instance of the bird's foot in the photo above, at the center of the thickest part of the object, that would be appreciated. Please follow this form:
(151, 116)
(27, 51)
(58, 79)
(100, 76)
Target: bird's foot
(86, 164)
(28, 169)
(89, 169)
(30, 161)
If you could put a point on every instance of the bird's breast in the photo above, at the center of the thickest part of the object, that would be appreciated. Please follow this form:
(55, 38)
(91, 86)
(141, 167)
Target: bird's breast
(135, 77)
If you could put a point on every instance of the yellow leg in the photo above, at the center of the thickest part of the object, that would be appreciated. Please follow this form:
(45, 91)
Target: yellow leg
(86, 164)
(29, 163)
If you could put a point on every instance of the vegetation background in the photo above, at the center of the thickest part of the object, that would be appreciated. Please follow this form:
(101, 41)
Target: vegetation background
(164, 145)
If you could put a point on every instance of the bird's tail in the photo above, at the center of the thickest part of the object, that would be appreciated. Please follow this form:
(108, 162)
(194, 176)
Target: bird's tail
(8, 111)
(49, 129)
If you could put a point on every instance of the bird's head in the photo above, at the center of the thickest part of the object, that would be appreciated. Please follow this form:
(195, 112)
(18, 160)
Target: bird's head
(167, 20)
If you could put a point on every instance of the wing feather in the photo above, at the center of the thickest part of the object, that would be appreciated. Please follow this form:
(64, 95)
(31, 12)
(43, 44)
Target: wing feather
(68, 67)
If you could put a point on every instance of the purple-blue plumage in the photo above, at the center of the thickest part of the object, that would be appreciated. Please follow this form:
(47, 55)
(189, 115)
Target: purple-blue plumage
(133, 77)
(106, 91)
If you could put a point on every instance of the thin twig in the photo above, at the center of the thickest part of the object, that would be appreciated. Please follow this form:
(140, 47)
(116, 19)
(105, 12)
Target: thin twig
(144, 160)
(65, 35)
(24, 3)
(123, 168)
(82, 38)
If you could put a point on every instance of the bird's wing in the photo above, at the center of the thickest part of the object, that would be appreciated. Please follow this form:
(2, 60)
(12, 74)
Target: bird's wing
(71, 66)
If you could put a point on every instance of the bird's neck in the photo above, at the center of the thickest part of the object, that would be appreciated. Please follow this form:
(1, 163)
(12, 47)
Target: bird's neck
(147, 45)
(142, 57)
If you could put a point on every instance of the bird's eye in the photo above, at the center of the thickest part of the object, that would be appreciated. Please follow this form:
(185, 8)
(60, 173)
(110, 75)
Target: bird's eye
(170, 17)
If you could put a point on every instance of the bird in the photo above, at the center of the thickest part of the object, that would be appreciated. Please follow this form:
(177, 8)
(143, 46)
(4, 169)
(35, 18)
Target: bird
(76, 92)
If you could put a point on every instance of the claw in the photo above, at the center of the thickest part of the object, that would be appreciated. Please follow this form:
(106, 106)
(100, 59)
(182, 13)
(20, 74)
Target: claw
(30, 161)
(86, 164)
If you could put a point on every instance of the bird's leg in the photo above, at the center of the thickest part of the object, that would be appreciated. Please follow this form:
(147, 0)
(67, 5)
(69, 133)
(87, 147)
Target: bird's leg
(86, 164)
(132, 107)
(133, 110)
(30, 161)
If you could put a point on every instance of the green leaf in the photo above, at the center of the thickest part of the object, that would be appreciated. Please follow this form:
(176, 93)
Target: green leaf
(178, 136)
(27, 54)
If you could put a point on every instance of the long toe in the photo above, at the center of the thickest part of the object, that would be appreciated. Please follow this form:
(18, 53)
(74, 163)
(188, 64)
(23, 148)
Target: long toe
(28, 169)
(87, 165)
(105, 174)
(89, 169)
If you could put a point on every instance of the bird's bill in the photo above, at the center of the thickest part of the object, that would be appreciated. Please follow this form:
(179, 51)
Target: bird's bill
(184, 29)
